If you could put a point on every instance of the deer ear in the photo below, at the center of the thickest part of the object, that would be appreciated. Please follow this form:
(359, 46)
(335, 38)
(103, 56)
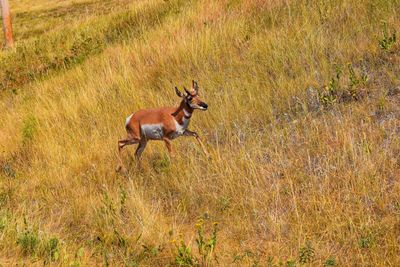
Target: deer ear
(195, 86)
(178, 93)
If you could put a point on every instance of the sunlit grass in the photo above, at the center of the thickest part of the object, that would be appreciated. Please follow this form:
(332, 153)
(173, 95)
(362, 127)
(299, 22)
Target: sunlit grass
(292, 180)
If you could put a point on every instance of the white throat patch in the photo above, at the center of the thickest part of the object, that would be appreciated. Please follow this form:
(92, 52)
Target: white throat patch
(180, 128)
(187, 113)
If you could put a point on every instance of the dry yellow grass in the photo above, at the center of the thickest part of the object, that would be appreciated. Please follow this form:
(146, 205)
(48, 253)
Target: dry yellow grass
(288, 183)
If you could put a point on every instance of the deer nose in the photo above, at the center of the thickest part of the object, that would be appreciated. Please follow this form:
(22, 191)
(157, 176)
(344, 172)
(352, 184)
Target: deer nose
(204, 105)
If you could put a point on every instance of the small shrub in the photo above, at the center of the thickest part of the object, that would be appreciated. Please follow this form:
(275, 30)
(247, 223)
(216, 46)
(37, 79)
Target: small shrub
(184, 255)
(365, 241)
(32, 244)
(78, 256)
(337, 91)
(356, 82)
(388, 40)
(331, 262)
(352, 76)
(28, 240)
(205, 245)
(306, 253)
(291, 263)
(51, 249)
(328, 96)
(161, 165)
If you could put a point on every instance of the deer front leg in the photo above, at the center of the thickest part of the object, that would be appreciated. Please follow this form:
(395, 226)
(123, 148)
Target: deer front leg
(169, 147)
(194, 134)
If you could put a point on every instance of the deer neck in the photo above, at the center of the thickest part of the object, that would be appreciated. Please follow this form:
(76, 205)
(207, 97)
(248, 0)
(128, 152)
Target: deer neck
(183, 112)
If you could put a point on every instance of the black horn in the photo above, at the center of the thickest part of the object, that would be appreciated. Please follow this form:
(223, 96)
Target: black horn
(187, 91)
(178, 93)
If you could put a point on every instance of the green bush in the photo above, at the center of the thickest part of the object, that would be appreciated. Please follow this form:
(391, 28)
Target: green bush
(28, 241)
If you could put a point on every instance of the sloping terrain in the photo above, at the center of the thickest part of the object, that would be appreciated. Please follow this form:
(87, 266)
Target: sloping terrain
(303, 129)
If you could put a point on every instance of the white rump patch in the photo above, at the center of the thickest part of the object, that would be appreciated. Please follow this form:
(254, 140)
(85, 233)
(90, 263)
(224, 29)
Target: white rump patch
(128, 120)
(153, 131)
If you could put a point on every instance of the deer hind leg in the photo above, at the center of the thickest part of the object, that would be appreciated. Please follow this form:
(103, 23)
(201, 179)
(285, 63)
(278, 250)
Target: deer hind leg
(125, 142)
(195, 135)
(140, 149)
(121, 144)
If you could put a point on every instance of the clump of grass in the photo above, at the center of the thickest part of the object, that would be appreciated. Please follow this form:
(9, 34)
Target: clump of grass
(161, 164)
(4, 220)
(366, 241)
(123, 197)
(29, 129)
(8, 169)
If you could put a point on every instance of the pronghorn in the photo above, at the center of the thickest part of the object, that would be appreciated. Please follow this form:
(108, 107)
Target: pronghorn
(165, 123)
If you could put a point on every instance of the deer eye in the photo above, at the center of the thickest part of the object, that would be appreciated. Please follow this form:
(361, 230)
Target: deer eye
(189, 98)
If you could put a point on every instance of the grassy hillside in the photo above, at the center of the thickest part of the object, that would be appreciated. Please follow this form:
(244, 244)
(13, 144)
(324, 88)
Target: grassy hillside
(303, 129)
(32, 19)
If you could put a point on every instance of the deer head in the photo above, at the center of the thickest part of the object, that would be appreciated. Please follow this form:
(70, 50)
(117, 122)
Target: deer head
(191, 97)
